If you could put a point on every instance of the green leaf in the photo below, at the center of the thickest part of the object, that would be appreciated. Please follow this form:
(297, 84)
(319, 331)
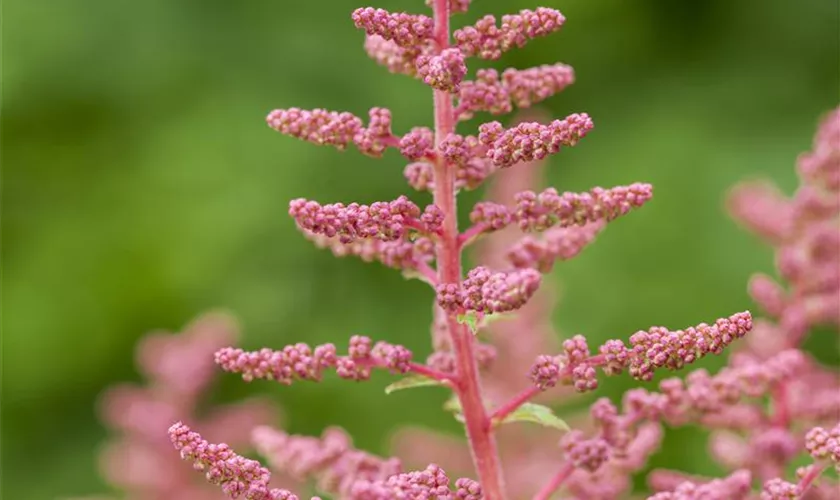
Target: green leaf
(413, 381)
(470, 319)
(538, 414)
(477, 321)
(453, 405)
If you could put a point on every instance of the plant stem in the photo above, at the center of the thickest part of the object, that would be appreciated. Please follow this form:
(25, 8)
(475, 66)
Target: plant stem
(556, 482)
(512, 405)
(813, 473)
(482, 443)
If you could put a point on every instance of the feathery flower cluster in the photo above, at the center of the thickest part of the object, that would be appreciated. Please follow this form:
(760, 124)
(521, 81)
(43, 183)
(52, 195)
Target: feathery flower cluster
(400, 254)
(537, 212)
(237, 475)
(488, 41)
(302, 362)
(532, 141)
(556, 244)
(488, 292)
(521, 88)
(330, 460)
(655, 348)
(405, 30)
(442, 72)
(736, 486)
(138, 459)
(402, 236)
(387, 221)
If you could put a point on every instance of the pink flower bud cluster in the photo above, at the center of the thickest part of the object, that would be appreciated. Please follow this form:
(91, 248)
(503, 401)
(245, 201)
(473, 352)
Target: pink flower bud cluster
(487, 40)
(432, 483)
(488, 292)
(337, 129)
(238, 476)
(386, 221)
(537, 212)
(301, 362)
(532, 141)
(821, 166)
(521, 88)
(397, 59)
(586, 454)
(138, 458)
(555, 244)
(657, 347)
(331, 460)
(824, 444)
(736, 486)
(400, 254)
(444, 71)
(805, 232)
(405, 30)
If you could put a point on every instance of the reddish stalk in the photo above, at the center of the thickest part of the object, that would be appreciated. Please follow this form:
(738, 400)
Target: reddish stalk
(482, 443)
(813, 473)
(512, 405)
(430, 373)
(556, 482)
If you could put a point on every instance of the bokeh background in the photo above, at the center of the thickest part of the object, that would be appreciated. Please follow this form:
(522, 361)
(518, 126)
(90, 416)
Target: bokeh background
(142, 188)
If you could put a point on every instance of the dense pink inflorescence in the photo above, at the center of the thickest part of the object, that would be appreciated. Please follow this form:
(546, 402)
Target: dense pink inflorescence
(138, 458)
(386, 221)
(487, 292)
(752, 438)
(532, 141)
(537, 212)
(521, 88)
(238, 476)
(330, 460)
(487, 40)
(302, 362)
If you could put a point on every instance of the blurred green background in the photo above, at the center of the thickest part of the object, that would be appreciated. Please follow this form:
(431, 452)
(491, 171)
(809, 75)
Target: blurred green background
(142, 187)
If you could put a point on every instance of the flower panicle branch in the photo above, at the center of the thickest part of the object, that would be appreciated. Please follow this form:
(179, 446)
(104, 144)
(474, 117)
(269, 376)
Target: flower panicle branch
(236, 475)
(488, 292)
(585, 213)
(386, 221)
(655, 348)
(497, 95)
(302, 362)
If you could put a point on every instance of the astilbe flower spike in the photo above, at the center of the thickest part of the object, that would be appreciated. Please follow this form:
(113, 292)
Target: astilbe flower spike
(238, 476)
(598, 458)
(302, 362)
(138, 460)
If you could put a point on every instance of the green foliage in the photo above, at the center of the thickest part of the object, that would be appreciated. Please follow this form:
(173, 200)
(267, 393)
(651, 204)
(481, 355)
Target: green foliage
(411, 382)
(538, 414)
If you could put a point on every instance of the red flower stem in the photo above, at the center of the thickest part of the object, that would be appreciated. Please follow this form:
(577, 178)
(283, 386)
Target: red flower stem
(429, 274)
(431, 373)
(482, 443)
(781, 411)
(470, 234)
(514, 403)
(556, 482)
(813, 473)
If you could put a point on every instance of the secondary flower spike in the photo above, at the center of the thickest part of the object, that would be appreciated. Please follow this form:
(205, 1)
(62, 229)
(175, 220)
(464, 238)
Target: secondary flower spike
(522, 88)
(238, 476)
(537, 212)
(487, 292)
(301, 362)
(405, 30)
(386, 221)
(532, 141)
(486, 40)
